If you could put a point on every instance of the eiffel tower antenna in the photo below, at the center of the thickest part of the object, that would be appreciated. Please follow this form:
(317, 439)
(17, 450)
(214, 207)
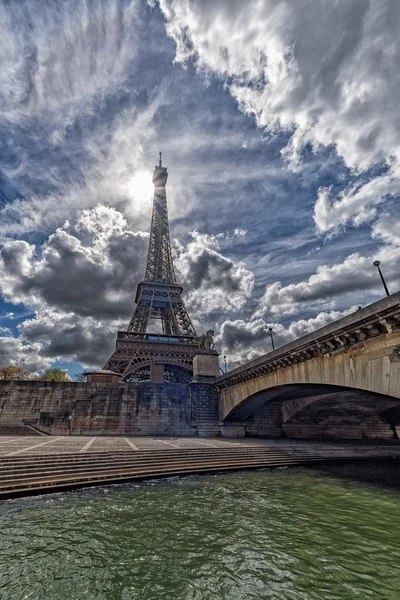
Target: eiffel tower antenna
(158, 297)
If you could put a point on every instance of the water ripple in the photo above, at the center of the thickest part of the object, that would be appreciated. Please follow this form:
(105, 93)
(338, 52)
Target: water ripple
(287, 535)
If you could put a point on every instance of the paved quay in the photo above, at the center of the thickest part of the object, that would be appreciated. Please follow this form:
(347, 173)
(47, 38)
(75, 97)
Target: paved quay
(56, 445)
(42, 464)
(43, 445)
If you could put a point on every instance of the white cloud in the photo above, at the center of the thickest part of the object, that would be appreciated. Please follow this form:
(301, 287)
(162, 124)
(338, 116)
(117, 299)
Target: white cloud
(114, 160)
(355, 273)
(70, 86)
(387, 229)
(68, 58)
(326, 72)
(356, 205)
(242, 341)
(16, 351)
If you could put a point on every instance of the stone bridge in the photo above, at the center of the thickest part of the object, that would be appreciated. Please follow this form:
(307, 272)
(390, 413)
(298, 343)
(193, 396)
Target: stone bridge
(342, 380)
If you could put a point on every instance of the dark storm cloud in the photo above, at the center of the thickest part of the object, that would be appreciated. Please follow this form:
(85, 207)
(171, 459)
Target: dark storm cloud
(81, 282)
(82, 340)
(208, 269)
(96, 279)
(239, 334)
(212, 270)
(214, 282)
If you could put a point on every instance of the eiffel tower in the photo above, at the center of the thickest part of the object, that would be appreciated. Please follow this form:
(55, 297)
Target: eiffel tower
(166, 355)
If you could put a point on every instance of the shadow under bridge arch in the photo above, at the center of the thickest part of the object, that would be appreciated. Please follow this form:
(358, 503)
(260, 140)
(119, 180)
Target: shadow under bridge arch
(252, 403)
(318, 411)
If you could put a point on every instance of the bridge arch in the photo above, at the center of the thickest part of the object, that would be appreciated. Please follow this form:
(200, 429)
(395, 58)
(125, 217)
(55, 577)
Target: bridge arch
(282, 393)
(359, 353)
(372, 366)
(317, 410)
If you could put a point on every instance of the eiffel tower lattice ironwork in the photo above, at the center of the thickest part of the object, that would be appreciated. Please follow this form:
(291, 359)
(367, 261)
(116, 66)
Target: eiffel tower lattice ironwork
(141, 354)
(159, 295)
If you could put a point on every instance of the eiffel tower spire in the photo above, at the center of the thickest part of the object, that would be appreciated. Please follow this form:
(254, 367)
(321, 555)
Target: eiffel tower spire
(159, 266)
(158, 297)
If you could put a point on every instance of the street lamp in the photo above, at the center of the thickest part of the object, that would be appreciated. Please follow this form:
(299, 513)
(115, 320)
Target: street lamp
(376, 264)
(226, 370)
(272, 338)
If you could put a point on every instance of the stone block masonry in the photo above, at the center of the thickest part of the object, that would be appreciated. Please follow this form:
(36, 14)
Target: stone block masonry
(111, 408)
(266, 421)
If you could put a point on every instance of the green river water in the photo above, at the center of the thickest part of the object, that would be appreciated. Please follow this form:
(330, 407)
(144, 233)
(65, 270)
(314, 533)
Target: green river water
(290, 534)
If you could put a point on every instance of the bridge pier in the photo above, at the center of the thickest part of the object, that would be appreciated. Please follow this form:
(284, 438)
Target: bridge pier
(232, 430)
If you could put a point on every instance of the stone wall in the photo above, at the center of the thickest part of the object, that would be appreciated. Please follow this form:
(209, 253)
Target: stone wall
(109, 408)
(186, 410)
(341, 415)
(266, 421)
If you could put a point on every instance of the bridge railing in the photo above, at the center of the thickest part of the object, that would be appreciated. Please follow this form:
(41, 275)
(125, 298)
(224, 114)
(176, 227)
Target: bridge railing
(375, 319)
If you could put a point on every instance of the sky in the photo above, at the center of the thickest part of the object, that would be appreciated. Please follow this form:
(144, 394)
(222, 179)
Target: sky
(279, 123)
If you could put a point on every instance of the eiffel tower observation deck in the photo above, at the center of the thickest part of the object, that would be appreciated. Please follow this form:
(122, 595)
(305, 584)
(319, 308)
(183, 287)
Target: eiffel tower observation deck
(160, 342)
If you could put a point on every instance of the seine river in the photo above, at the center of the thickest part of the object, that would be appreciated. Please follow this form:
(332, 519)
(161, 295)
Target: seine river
(290, 534)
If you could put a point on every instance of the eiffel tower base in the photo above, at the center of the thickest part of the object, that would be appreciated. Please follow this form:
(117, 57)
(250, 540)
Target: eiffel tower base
(205, 369)
(140, 352)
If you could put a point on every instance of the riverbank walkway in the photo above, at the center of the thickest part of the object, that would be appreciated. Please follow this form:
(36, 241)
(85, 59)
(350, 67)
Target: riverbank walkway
(41, 464)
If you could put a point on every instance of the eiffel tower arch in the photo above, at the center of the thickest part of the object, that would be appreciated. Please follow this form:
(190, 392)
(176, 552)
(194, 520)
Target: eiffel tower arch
(160, 342)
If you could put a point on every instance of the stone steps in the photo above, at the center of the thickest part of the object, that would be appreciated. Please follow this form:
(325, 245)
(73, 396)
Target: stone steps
(27, 469)
(116, 463)
(67, 456)
(27, 475)
(100, 469)
(45, 482)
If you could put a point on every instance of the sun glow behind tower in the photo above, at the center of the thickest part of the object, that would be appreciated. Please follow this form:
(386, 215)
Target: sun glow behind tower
(141, 188)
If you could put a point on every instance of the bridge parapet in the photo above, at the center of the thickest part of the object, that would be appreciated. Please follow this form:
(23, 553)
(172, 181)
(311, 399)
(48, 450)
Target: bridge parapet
(379, 318)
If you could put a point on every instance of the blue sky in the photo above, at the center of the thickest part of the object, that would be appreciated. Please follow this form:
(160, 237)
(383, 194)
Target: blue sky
(278, 125)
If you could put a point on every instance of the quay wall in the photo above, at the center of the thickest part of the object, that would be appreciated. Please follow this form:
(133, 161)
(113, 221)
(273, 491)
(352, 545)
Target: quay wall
(124, 409)
(98, 409)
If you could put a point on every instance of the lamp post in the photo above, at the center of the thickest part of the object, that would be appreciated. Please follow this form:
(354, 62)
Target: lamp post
(272, 338)
(226, 370)
(376, 264)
